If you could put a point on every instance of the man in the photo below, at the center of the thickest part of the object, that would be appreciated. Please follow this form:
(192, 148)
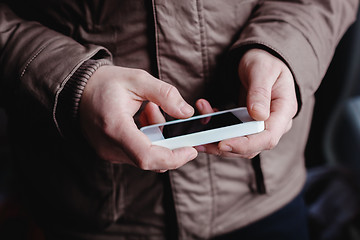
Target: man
(75, 73)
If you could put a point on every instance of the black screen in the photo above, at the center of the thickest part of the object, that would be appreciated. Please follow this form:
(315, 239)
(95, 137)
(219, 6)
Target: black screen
(198, 125)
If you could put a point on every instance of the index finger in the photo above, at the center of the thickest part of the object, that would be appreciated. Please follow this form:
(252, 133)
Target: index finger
(148, 156)
(275, 126)
(164, 95)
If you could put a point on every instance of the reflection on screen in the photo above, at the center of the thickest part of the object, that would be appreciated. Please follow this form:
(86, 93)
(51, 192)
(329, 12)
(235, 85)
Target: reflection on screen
(198, 125)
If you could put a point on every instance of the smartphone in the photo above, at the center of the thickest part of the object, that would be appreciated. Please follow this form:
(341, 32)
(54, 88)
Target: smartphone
(203, 129)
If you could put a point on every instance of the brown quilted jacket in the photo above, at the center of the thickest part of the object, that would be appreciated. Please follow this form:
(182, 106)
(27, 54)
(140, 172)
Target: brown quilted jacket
(192, 44)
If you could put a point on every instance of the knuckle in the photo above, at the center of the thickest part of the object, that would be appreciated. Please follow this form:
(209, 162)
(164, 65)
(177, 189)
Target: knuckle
(168, 91)
(295, 108)
(107, 128)
(172, 164)
(140, 160)
(143, 164)
(105, 125)
(141, 74)
(285, 69)
(247, 154)
(268, 65)
(261, 91)
(272, 143)
(143, 161)
(250, 156)
(289, 126)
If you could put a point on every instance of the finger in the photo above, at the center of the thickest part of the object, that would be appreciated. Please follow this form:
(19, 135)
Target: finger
(265, 140)
(209, 148)
(283, 108)
(214, 150)
(143, 119)
(164, 95)
(275, 126)
(172, 159)
(259, 95)
(250, 156)
(200, 148)
(203, 106)
(289, 126)
(146, 155)
(258, 71)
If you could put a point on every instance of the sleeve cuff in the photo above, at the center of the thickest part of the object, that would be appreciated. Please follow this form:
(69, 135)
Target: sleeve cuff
(69, 98)
(237, 53)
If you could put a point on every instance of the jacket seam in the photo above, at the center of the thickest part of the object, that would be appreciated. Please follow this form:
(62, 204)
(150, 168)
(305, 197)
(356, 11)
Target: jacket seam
(156, 30)
(213, 208)
(203, 42)
(32, 59)
(205, 69)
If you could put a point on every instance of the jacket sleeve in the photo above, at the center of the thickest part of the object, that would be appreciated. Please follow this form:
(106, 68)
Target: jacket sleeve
(38, 61)
(303, 33)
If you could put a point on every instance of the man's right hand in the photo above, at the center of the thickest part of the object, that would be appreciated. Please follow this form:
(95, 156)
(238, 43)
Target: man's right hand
(111, 98)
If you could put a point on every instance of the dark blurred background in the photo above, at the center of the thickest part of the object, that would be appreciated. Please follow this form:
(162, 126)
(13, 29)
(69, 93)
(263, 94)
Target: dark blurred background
(332, 192)
(332, 157)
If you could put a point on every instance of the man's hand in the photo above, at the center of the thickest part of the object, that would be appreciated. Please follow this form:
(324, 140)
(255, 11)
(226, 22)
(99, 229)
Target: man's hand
(111, 98)
(271, 97)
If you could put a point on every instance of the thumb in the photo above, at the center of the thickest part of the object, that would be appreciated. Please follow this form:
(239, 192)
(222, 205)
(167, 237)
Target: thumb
(166, 96)
(258, 80)
(258, 100)
(259, 71)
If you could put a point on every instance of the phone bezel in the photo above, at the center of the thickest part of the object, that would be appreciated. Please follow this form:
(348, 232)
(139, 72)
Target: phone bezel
(247, 127)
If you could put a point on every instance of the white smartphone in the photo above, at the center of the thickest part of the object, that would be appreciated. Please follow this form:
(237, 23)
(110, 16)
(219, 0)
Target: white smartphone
(203, 129)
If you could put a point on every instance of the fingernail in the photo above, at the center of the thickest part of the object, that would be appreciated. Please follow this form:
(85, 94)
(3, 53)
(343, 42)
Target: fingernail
(200, 148)
(193, 155)
(186, 109)
(259, 111)
(225, 148)
(258, 107)
(201, 105)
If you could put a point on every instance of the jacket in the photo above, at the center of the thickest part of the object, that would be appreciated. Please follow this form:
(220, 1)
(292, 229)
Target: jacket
(193, 45)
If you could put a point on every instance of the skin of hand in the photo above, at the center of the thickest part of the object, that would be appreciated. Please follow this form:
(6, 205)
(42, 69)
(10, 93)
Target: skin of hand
(271, 97)
(111, 98)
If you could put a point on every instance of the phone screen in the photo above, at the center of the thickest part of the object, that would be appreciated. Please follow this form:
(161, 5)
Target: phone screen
(198, 125)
